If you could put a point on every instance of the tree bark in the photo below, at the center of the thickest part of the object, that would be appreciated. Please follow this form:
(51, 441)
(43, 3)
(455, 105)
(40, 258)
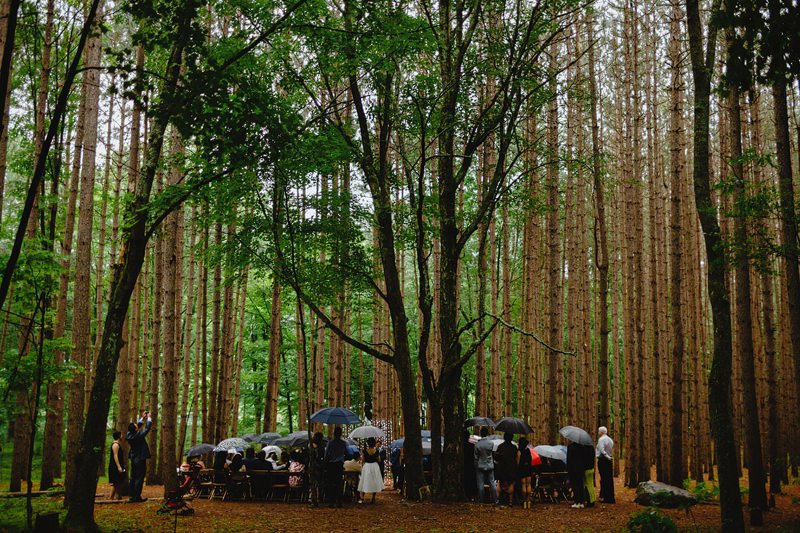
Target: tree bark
(719, 381)
(80, 514)
(81, 306)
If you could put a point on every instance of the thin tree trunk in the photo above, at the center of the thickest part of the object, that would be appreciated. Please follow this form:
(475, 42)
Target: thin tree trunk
(81, 305)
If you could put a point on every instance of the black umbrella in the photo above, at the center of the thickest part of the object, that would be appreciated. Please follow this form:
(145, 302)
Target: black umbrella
(199, 449)
(250, 437)
(292, 440)
(513, 425)
(267, 438)
(479, 421)
(335, 415)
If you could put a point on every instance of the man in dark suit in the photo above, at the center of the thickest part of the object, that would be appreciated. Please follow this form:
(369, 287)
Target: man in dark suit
(139, 454)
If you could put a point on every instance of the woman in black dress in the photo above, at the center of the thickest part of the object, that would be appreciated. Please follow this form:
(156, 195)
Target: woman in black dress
(117, 475)
(524, 470)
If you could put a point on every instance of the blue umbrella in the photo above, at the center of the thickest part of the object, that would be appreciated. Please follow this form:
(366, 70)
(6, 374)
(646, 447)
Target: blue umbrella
(335, 415)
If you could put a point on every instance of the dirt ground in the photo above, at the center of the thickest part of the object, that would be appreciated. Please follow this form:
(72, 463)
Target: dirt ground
(391, 513)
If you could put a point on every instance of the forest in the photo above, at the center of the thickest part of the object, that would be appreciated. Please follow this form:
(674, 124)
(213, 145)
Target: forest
(234, 213)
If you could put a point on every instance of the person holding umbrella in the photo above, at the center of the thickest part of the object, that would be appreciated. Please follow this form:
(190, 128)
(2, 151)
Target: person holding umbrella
(484, 466)
(506, 467)
(316, 469)
(335, 453)
(371, 479)
(575, 468)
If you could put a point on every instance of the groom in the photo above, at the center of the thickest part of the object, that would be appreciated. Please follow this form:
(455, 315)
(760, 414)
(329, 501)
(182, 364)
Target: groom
(138, 454)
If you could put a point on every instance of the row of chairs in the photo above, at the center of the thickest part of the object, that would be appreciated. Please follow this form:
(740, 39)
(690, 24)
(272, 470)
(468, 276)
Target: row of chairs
(266, 485)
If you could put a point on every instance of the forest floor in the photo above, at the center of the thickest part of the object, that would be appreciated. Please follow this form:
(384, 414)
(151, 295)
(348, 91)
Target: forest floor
(391, 513)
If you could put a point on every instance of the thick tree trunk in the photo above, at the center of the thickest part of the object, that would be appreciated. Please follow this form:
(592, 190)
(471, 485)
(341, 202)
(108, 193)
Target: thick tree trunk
(719, 381)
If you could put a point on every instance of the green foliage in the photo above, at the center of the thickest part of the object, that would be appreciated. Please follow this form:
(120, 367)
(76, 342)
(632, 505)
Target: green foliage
(704, 491)
(651, 520)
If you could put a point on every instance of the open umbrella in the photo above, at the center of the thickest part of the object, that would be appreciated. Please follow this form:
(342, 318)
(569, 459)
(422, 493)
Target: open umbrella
(298, 438)
(535, 458)
(513, 425)
(272, 448)
(250, 437)
(551, 452)
(335, 415)
(365, 432)
(231, 444)
(479, 421)
(199, 449)
(576, 434)
(267, 438)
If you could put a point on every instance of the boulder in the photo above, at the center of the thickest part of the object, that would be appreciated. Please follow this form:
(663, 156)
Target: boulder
(653, 493)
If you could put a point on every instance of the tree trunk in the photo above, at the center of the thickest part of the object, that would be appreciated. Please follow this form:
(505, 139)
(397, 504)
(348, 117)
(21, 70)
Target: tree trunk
(676, 472)
(719, 381)
(81, 306)
(81, 505)
(274, 366)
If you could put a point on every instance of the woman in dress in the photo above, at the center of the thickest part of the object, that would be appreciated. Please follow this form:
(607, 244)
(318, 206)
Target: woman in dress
(371, 480)
(116, 468)
(524, 470)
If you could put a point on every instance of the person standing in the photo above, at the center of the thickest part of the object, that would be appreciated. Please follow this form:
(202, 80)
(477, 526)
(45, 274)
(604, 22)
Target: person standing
(524, 471)
(484, 466)
(506, 470)
(589, 495)
(139, 454)
(335, 453)
(116, 469)
(316, 469)
(576, 463)
(605, 465)
(371, 480)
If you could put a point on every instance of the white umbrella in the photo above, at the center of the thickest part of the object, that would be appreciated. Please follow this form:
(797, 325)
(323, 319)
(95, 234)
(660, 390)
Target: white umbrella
(365, 432)
(269, 449)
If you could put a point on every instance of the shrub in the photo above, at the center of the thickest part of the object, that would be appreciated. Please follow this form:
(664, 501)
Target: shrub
(651, 520)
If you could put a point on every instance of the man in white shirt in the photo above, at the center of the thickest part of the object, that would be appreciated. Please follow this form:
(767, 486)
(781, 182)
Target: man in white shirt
(605, 465)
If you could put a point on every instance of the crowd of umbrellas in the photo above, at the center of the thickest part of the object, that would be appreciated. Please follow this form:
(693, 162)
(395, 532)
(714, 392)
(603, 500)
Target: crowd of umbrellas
(275, 441)
(520, 427)
(342, 416)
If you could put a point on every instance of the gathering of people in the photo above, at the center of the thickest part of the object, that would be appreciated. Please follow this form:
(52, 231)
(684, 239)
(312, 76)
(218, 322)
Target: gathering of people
(517, 473)
(331, 471)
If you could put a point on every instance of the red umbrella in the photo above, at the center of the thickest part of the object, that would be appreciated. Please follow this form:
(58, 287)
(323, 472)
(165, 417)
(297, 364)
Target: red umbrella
(535, 459)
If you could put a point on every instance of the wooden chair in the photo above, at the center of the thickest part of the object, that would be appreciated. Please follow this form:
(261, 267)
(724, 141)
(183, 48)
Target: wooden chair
(260, 483)
(219, 488)
(350, 485)
(298, 492)
(279, 485)
(238, 487)
(204, 484)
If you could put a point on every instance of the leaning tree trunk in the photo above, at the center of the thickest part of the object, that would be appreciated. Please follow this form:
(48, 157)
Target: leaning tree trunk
(80, 514)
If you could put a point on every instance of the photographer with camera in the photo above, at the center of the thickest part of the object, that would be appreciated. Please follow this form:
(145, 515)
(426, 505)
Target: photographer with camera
(139, 453)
